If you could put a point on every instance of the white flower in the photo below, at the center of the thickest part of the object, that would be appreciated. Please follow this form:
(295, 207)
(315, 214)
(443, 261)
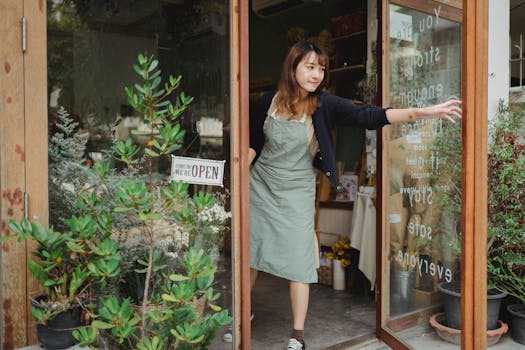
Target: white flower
(214, 213)
(172, 255)
(180, 238)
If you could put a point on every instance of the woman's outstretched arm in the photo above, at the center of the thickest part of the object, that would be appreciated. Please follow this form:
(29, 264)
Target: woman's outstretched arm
(446, 110)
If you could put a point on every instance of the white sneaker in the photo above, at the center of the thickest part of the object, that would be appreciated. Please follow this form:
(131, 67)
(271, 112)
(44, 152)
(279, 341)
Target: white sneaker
(228, 336)
(294, 344)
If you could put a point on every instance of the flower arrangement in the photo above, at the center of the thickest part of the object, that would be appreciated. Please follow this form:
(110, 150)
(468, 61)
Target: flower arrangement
(341, 251)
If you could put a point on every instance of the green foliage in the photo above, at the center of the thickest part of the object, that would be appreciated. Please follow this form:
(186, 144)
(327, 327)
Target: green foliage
(69, 265)
(506, 197)
(127, 226)
(177, 317)
(67, 168)
(506, 162)
(160, 114)
(167, 283)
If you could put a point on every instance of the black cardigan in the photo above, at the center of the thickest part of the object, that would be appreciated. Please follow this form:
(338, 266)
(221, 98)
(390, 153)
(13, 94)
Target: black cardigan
(332, 111)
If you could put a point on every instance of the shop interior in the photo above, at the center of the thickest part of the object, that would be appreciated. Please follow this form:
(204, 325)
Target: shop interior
(193, 41)
(341, 310)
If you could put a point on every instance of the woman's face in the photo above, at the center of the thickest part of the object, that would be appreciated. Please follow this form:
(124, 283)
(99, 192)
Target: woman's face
(309, 73)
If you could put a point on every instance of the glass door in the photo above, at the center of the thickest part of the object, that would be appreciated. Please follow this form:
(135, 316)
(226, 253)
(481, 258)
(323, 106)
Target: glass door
(421, 165)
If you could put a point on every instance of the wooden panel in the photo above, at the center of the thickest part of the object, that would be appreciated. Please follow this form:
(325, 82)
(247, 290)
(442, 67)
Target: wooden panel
(474, 177)
(448, 11)
(235, 171)
(35, 75)
(383, 285)
(244, 143)
(12, 175)
(239, 90)
(454, 3)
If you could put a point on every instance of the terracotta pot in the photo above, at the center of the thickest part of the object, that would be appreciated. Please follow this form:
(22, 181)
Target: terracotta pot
(453, 335)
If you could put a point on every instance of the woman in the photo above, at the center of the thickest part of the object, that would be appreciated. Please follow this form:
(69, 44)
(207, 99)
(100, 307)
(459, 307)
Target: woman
(290, 134)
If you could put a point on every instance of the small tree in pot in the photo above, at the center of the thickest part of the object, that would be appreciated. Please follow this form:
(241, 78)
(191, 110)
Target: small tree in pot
(450, 173)
(72, 267)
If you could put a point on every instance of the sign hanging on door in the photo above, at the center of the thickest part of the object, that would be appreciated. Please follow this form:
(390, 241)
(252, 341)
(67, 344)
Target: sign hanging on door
(197, 171)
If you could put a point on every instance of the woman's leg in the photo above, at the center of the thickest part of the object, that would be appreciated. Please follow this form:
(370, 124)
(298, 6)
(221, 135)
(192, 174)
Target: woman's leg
(299, 294)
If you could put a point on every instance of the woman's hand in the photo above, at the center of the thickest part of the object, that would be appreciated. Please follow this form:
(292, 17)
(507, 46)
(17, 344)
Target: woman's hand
(446, 110)
(251, 155)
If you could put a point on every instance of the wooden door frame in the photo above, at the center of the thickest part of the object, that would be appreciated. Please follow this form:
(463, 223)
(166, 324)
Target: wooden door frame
(23, 163)
(24, 107)
(474, 164)
(240, 171)
(36, 140)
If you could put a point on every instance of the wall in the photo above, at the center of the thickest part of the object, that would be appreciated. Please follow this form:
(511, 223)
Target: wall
(268, 42)
(498, 62)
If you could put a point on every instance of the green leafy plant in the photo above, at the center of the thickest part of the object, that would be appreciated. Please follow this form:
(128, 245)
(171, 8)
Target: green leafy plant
(67, 167)
(72, 265)
(506, 197)
(164, 244)
(175, 316)
(506, 162)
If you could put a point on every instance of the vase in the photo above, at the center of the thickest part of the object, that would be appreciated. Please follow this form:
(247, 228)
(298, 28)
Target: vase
(339, 275)
(401, 287)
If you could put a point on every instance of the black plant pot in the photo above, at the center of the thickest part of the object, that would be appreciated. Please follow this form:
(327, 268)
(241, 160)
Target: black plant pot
(517, 322)
(452, 300)
(57, 333)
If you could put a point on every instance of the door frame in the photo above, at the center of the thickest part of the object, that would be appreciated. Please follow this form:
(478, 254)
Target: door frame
(24, 77)
(474, 19)
(240, 171)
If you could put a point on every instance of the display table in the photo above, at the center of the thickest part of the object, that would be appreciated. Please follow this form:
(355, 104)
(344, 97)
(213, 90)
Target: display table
(363, 235)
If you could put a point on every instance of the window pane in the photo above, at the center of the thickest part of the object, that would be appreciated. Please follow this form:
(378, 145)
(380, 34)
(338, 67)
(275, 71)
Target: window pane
(424, 161)
(517, 72)
(92, 49)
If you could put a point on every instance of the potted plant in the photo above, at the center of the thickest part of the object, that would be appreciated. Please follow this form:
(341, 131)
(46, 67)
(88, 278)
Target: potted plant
(506, 255)
(448, 178)
(71, 267)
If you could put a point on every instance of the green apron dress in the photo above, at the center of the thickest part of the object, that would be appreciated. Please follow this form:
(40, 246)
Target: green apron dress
(282, 204)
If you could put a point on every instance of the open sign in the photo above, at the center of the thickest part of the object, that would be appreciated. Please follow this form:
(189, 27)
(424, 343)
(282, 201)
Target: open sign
(197, 171)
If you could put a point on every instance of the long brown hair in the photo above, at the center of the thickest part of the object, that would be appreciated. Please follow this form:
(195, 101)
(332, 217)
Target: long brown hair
(289, 99)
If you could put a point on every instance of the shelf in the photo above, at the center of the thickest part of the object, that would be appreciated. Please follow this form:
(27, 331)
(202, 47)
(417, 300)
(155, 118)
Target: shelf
(348, 36)
(347, 68)
(333, 204)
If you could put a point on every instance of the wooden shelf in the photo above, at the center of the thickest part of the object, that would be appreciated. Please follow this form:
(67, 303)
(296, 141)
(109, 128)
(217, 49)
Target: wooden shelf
(348, 36)
(333, 204)
(347, 68)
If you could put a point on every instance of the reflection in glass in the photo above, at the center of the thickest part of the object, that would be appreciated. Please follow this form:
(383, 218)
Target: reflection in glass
(425, 159)
(92, 47)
